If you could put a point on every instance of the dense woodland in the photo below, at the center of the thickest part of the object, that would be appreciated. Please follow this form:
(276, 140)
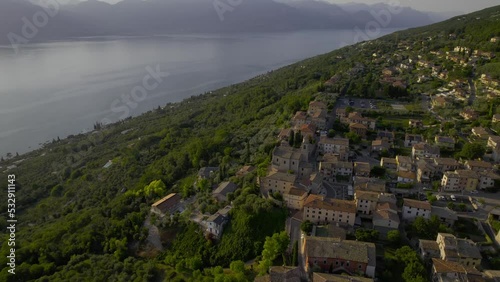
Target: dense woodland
(79, 221)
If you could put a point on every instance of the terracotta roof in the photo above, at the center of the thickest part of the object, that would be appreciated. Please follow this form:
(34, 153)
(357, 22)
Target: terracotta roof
(480, 131)
(245, 170)
(281, 176)
(403, 159)
(319, 202)
(317, 104)
(284, 133)
(389, 160)
(324, 277)
(489, 174)
(296, 191)
(446, 161)
(167, 202)
(361, 166)
(300, 115)
(479, 164)
(429, 244)
(358, 125)
(444, 139)
(426, 147)
(387, 206)
(334, 141)
(322, 247)
(369, 184)
(387, 198)
(407, 174)
(340, 110)
(417, 204)
(463, 173)
(386, 215)
(442, 266)
(366, 195)
(414, 137)
(287, 152)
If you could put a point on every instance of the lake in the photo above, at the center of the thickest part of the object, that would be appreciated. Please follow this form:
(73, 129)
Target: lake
(60, 88)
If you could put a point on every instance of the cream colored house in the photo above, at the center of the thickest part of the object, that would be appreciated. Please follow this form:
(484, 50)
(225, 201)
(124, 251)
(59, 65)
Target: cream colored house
(319, 209)
(294, 198)
(463, 251)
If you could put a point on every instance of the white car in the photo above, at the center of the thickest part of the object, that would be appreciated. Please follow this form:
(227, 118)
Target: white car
(474, 192)
(453, 198)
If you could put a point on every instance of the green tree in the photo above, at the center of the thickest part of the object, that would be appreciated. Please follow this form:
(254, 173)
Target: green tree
(295, 253)
(273, 246)
(353, 137)
(367, 235)
(203, 185)
(155, 189)
(462, 207)
(377, 171)
(297, 139)
(394, 237)
(331, 133)
(472, 151)
(306, 226)
(291, 138)
(237, 266)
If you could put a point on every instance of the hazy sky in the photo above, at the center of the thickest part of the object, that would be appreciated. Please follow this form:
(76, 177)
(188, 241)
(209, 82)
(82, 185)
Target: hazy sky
(465, 6)
(436, 5)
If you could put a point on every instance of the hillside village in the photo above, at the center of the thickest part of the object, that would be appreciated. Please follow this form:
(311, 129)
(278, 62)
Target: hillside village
(354, 184)
(376, 162)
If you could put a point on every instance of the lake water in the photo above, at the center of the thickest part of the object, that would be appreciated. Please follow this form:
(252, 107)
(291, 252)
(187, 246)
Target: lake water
(60, 88)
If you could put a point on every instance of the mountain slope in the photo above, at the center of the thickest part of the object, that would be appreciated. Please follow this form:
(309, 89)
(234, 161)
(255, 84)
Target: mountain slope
(95, 18)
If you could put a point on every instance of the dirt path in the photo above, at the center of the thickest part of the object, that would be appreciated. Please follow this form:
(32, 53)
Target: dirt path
(153, 235)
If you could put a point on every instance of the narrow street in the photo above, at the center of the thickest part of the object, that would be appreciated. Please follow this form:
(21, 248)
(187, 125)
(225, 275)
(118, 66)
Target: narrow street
(472, 96)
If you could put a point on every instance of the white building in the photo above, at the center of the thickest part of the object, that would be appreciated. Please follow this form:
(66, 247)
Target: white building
(414, 208)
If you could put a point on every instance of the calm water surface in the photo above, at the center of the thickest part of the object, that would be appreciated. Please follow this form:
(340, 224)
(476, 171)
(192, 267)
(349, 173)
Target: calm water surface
(61, 88)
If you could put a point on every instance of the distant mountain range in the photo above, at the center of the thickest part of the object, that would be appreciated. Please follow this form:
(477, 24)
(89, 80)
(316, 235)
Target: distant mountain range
(136, 17)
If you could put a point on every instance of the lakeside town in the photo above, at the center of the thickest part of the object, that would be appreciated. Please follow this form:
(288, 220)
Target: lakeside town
(354, 187)
(375, 162)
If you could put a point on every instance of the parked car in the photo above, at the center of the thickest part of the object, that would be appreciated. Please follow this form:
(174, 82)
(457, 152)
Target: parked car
(453, 198)
(474, 192)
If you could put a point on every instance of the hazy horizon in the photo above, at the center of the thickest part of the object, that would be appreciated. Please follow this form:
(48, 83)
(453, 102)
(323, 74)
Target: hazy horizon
(464, 6)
